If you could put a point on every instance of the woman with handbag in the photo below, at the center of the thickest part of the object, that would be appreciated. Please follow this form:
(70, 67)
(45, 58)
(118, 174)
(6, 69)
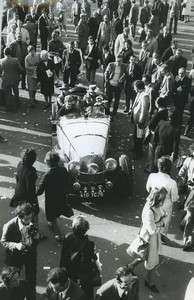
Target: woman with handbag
(55, 184)
(31, 63)
(79, 258)
(153, 221)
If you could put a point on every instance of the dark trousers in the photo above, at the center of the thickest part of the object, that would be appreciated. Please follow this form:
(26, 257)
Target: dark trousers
(175, 24)
(116, 91)
(9, 97)
(133, 29)
(70, 74)
(90, 75)
(138, 143)
(43, 40)
(29, 260)
(124, 18)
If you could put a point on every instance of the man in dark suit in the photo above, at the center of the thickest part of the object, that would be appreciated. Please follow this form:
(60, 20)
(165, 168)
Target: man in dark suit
(92, 59)
(133, 17)
(43, 30)
(20, 238)
(176, 62)
(145, 14)
(158, 6)
(117, 27)
(61, 287)
(43, 5)
(182, 88)
(72, 64)
(124, 286)
(19, 50)
(10, 69)
(134, 72)
(115, 76)
(170, 51)
(107, 57)
(124, 9)
(164, 41)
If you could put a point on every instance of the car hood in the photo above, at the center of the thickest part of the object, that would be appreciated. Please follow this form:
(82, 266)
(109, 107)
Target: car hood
(87, 137)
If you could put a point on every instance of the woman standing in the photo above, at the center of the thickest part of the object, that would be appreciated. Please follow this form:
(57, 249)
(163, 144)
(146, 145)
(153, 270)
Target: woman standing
(78, 254)
(186, 5)
(31, 63)
(153, 221)
(45, 75)
(52, 25)
(55, 185)
(62, 9)
(163, 179)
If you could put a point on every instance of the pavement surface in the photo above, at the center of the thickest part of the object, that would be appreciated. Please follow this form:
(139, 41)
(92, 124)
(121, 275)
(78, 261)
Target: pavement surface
(114, 223)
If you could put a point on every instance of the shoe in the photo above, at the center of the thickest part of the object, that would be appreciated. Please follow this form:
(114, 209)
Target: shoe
(126, 111)
(187, 247)
(2, 140)
(152, 288)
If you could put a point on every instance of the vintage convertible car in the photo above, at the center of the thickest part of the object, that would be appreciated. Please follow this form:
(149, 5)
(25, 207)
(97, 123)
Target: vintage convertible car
(83, 142)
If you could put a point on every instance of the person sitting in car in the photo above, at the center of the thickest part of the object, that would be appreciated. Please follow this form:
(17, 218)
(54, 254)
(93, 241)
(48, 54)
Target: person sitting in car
(90, 97)
(70, 107)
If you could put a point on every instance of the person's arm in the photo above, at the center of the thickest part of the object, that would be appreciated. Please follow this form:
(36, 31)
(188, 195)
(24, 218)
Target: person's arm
(174, 192)
(31, 187)
(5, 240)
(49, 294)
(41, 188)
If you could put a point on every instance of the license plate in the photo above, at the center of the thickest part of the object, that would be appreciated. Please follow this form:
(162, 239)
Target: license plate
(84, 194)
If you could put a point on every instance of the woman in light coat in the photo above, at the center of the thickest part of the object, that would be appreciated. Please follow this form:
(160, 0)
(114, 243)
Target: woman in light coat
(163, 179)
(153, 220)
(186, 10)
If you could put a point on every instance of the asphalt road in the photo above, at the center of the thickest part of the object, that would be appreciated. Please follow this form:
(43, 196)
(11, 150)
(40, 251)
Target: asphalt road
(114, 223)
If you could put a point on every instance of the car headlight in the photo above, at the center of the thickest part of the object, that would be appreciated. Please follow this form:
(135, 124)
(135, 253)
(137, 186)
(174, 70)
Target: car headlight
(93, 169)
(109, 185)
(76, 186)
(74, 167)
(110, 164)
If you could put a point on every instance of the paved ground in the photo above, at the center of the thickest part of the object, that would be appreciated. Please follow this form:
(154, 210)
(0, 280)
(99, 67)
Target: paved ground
(114, 224)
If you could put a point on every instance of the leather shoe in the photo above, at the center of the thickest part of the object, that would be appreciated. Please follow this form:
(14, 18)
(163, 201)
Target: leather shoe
(152, 288)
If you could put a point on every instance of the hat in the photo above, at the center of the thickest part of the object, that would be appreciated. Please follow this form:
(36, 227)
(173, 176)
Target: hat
(92, 88)
(65, 86)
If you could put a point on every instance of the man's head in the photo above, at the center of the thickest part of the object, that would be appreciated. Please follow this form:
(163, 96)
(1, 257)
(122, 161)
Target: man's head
(119, 60)
(105, 18)
(164, 164)
(91, 40)
(25, 213)
(124, 277)
(7, 51)
(58, 279)
(44, 55)
(132, 59)
(18, 36)
(144, 45)
(165, 30)
(28, 156)
(15, 16)
(115, 15)
(164, 69)
(71, 46)
(146, 79)
(179, 52)
(181, 72)
(174, 44)
(149, 33)
(146, 2)
(156, 58)
(10, 277)
(70, 102)
(139, 86)
(126, 31)
(127, 44)
(160, 102)
(13, 28)
(20, 24)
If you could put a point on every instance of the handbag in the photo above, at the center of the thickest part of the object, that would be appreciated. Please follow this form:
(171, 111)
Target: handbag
(67, 211)
(139, 248)
(91, 278)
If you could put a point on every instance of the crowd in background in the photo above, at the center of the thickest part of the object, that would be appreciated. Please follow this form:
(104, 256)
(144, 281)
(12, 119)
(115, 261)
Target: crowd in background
(157, 86)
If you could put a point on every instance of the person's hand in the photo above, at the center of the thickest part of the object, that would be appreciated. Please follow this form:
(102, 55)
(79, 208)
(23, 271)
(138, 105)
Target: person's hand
(179, 89)
(140, 125)
(20, 246)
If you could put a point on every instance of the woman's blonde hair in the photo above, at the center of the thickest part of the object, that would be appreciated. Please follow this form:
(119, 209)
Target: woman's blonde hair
(157, 196)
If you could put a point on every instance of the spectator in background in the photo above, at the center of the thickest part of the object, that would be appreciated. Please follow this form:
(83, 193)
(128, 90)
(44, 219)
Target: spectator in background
(60, 285)
(107, 57)
(55, 184)
(154, 23)
(45, 75)
(106, 10)
(186, 11)
(76, 12)
(124, 283)
(139, 117)
(24, 32)
(83, 32)
(19, 50)
(174, 12)
(145, 13)
(127, 51)
(133, 17)
(170, 51)
(86, 9)
(152, 43)
(158, 7)
(120, 40)
(92, 60)
(11, 37)
(117, 27)
(164, 40)
(167, 85)
(177, 61)
(113, 6)
(104, 33)
(31, 63)
(12, 287)
(34, 19)
(43, 6)
(166, 9)
(72, 63)
(12, 21)
(52, 25)
(31, 28)
(99, 16)
(124, 9)
(43, 29)
(72, 243)
(143, 56)
(191, 109)
(20, 239)
(115, 76)
(62, 9)
(149, 88)
(15, 9)
(93, 26)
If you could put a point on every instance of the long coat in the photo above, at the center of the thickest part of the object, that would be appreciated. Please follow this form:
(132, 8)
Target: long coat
(94, 53)
(47, 83)
(83, 33)
(55, 185)
(10, 69)
(140, 108)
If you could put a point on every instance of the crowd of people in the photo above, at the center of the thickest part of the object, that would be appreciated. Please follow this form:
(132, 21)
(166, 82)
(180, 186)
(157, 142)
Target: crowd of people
(157, 86)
